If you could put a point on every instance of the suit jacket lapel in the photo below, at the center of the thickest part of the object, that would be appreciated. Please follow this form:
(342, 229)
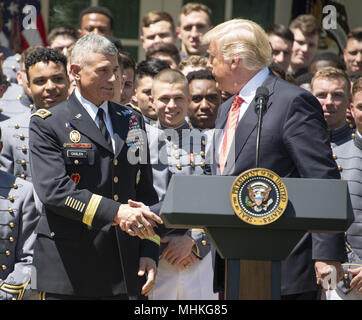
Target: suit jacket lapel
(247, 125)
(82, 121)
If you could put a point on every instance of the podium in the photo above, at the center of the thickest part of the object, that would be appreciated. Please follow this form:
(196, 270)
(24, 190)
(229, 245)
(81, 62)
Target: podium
(314, 205)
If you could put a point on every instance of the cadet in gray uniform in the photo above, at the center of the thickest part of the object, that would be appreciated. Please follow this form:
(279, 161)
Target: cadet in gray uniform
(18, 218)
(185, 267)
(349, 159)
(332, 88)
(17, 98)
(48, 84)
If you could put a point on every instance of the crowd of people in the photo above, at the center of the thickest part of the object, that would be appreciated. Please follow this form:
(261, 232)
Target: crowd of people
(90, 139)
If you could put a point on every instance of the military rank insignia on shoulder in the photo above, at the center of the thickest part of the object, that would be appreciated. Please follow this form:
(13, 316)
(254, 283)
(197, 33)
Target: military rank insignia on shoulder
(42, 113)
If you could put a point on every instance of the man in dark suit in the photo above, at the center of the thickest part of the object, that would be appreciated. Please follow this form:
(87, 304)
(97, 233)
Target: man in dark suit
(294, 139)
(82, 171)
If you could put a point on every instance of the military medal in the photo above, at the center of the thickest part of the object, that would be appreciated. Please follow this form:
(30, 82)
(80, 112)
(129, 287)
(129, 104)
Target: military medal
(74, 136)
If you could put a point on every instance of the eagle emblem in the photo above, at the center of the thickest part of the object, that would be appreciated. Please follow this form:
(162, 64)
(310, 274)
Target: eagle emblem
(258, 198)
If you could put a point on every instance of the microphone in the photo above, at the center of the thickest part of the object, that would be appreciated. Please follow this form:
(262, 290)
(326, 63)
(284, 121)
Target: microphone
(261, 100)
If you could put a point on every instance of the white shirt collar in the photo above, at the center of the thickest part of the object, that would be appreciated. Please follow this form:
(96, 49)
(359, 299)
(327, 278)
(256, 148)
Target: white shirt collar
(248, 91)
(91, 108)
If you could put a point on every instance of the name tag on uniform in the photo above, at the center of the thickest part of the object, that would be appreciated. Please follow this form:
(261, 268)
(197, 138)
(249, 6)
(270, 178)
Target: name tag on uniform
(77, 154)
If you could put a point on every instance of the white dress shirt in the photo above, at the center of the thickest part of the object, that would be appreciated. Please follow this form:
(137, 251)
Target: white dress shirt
(92, 110)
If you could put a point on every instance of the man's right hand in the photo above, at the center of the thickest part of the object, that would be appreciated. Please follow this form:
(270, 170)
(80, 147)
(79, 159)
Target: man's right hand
(136, 219)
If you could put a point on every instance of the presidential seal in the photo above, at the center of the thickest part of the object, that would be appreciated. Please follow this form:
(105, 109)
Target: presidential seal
(259, 196)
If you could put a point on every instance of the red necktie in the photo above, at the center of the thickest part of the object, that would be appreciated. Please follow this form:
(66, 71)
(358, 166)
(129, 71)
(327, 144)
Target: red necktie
(230, 131)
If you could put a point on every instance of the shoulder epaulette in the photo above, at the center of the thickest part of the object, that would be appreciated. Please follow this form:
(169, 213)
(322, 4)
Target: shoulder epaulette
(42, 113)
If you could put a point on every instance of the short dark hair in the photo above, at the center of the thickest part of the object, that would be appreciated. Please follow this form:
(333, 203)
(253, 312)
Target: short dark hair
(355, 34)
(45, 55)
(97, 9)
(166, 48)
(126, 60)
(330, 56)
(66, 31)
(150, 68)
(281, 31)
(116, 41)
(203, 74)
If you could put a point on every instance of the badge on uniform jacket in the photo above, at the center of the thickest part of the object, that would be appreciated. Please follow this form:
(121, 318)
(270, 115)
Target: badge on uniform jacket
(135, 134)
(75, 177)
(74, 136)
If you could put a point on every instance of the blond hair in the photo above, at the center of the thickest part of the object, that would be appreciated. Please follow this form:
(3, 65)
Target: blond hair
(243, 39)
(332, 73)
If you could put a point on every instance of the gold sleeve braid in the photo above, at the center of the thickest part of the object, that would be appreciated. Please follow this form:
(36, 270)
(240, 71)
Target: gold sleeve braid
(91, 209)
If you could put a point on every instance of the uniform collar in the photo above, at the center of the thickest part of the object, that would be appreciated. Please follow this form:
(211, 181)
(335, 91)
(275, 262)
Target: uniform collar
(358, 140)
(340, 133)
(91, 108)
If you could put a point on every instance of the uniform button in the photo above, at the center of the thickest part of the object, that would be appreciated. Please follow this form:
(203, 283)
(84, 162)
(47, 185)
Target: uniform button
(31, 106)
(23, 162)
(52, 234)
(115, 179)
(177, 156)
(24, 148)
(11, 198)
(115, 197)
(202, 164)
(3, 267)
(192, 164)
(76, 162)
(22, 137)
(7, 252)
(203, 242)
(353, 135)
(11, 224)
(339, 168)
(334, 156)
(203, 142)
(11, 210)
(175, 146)
(13, 68)
(15, 186)
(23, 176)
(346, 276)
(115, 162)
(16, 126)
(11, 239)
(179, 166)
(202, 154)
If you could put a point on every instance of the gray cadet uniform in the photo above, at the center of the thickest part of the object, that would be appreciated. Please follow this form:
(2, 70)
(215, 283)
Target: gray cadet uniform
(14, 157)
(15, 105)
(349, 159)
(18, 218)
(180, 151)
(10, 67)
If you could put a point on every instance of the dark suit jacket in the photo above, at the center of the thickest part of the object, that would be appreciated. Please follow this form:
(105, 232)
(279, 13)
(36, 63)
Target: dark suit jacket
(294, 143)
(82, 184)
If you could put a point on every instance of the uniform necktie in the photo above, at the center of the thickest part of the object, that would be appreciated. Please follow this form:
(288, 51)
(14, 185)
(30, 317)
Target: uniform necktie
(102, 126)
(230, 131)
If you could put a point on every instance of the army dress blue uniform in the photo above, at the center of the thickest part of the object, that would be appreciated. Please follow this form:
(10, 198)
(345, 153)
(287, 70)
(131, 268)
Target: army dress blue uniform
(180, 151)
(18, 218)
(82, 181)
(14, 157)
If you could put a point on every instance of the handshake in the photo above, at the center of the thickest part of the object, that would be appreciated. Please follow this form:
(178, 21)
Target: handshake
(136, 219)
